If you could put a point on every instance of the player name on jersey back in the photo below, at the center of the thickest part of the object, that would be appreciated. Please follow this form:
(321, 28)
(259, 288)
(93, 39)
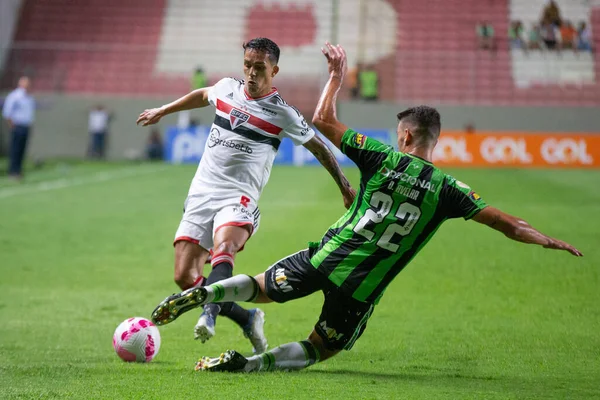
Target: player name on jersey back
(403, 200)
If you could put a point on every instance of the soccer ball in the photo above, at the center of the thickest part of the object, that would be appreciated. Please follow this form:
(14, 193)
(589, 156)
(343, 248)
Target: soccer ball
(136, 339)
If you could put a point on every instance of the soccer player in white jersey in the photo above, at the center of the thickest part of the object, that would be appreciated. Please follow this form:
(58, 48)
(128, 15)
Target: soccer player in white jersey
(221, 211)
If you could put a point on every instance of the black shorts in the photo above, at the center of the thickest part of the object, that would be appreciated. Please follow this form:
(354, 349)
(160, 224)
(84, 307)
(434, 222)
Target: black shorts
(343, 319)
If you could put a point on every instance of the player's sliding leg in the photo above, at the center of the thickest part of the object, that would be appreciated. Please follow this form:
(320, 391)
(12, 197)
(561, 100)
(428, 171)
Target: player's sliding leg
(290, 278)
(190, 258)
(301, 279)
(342, 320)
(237, 288)
(287, 357)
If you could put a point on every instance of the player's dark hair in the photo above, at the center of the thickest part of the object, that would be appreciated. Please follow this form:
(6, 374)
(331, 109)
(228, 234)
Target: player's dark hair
(264, 44)
(425, 120)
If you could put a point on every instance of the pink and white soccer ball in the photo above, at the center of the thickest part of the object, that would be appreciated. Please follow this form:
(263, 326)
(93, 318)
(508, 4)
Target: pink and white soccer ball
(136, 339)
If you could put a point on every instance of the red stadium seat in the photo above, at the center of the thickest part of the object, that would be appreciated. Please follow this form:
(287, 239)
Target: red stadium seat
(96, 46)
(427, 29)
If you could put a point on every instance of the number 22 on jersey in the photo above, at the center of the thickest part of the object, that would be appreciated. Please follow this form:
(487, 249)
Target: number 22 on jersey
(407, 216)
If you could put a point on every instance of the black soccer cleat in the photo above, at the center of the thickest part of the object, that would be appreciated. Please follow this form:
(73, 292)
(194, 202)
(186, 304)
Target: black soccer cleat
(173, 306)
(230, 361)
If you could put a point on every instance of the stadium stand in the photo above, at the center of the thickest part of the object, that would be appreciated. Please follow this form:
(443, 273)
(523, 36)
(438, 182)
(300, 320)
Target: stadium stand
(98, 46)
(437, 60)
(90, 47)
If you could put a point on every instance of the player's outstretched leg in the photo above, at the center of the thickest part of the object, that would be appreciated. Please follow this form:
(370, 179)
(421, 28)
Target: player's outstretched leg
(237, 288)
(230, 361)
(173, 306)
(287, 357)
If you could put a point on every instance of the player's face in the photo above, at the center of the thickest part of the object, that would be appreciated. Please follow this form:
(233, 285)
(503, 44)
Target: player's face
(259, 72)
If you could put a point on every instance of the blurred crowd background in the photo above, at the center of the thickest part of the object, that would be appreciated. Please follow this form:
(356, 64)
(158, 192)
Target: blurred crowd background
(491, 66)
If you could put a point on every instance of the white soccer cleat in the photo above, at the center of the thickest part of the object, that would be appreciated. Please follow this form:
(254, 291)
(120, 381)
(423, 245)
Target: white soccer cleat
(205, 328)
(255, 331)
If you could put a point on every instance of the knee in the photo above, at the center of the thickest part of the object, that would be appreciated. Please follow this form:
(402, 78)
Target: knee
(262, 296)
(228, 246)
(183, 279)
(187, 256)
(319, 345)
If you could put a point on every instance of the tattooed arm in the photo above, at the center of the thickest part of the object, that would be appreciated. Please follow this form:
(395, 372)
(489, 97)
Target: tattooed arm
(327, 159)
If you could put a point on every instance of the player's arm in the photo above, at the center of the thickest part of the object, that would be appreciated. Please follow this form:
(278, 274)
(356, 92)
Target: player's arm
(518, 229)
(325, 118)
(196, 99)
(322, 153)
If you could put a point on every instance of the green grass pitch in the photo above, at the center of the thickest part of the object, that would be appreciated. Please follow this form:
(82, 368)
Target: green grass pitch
(474, 316)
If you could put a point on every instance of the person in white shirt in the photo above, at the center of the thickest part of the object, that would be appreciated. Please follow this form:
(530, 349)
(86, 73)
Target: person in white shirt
(584, 37)
(98, 129)
(19, 112)
(221, 211)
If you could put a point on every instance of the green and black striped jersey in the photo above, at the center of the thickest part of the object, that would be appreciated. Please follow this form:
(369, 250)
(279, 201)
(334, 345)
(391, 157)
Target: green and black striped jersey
(402, 201)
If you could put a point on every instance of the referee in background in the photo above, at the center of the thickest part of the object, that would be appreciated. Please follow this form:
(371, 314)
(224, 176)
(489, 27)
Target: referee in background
(19, 112)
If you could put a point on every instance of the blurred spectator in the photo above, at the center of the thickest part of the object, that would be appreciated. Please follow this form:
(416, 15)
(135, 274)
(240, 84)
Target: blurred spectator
(98, 129)
(154, 147)
(485, 35)
(549, 35)
(584, 37)
(515, 35)
(551, 14)
(19, 112)
(568, 36)
(199, 79)
(470, 128)
(368, 81)
(535, 37)
(353, 81)
(183, 119)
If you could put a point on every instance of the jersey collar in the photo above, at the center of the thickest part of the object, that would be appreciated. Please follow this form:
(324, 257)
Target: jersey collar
(420, 158)
(271, 93)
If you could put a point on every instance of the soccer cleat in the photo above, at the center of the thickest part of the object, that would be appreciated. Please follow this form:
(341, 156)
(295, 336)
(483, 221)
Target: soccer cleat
(255, 331)
(231, 361)
(205, 328)
(173, 306)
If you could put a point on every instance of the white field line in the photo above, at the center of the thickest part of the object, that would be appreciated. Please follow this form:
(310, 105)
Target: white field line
(63, 183)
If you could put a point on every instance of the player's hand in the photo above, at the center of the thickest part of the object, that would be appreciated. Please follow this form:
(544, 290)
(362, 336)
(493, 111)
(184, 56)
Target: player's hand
(150, 117)
(560, 245)
(349, 196)
(336, 59)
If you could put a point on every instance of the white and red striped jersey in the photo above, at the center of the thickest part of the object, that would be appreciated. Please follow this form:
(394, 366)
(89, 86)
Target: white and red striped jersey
(244, 139)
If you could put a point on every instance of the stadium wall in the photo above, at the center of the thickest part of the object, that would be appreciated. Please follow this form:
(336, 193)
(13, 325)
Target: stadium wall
(9, 14)
(61, 126)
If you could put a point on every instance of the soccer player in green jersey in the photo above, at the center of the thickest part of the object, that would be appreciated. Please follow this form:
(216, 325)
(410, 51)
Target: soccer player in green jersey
(403, 200)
